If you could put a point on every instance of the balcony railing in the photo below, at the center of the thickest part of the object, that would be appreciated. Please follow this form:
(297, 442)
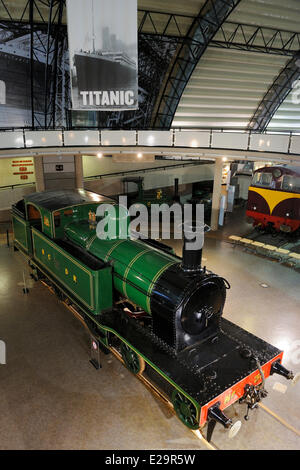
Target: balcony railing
(237, 140)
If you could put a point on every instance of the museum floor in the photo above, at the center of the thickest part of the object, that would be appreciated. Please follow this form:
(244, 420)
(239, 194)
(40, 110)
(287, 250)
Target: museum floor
(52, 398)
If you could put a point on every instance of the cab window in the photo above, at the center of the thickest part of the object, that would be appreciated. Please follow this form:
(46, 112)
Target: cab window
(291, 183)
(263, 179)
(57, 219)
(256, 178)
(68, 213)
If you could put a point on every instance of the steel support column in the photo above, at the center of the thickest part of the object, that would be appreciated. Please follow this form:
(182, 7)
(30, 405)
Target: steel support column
(217, 191)
(31, 6)
(55, 41)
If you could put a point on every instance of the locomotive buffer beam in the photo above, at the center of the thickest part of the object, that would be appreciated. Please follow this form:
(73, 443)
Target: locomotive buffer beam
(191, 369)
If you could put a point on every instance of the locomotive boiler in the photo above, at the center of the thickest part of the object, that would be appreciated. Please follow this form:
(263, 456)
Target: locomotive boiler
(185, 302)
(160, 314)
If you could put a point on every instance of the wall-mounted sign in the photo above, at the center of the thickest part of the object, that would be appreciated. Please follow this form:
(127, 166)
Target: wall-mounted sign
(22, 168)
(103, 54)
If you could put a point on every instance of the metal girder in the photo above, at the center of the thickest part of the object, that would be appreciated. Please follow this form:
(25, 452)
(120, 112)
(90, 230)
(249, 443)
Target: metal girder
(257, 39)
(55, 59)
(163, 24)
(46, 111)
(170, 46)
(40, 40)
(231, 34)
(211, 16)
(7, 12)
(14, 12)
(275, 95)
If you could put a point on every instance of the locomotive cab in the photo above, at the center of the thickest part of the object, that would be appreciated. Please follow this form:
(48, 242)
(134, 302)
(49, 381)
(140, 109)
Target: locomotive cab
(274, 198)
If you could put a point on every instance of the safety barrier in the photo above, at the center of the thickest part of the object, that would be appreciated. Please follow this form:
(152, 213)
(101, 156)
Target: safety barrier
(241, 141)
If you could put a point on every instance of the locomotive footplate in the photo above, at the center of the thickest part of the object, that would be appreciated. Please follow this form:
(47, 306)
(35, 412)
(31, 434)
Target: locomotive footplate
(212, 373)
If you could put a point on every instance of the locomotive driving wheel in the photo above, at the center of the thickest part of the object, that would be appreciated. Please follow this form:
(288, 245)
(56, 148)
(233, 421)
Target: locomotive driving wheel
(185, 410)
(133, 361)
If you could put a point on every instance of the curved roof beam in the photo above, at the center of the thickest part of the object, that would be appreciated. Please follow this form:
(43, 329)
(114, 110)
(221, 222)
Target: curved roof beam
(275, 95)
(211, 16)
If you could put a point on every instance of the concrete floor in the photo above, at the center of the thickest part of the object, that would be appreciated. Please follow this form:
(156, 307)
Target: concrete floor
(52, 398)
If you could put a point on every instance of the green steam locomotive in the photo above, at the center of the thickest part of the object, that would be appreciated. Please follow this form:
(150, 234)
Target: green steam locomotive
(161, 315)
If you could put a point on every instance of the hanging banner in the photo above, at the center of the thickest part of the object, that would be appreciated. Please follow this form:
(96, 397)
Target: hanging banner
(103, 54)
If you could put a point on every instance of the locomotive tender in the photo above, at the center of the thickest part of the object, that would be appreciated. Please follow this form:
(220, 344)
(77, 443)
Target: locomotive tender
(162, 315)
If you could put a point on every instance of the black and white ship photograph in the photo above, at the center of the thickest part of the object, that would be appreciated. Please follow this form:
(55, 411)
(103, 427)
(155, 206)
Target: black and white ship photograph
(103, 54)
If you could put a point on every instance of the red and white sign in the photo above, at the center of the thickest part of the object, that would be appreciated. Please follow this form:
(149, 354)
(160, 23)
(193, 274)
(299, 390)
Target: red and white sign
(21, 168)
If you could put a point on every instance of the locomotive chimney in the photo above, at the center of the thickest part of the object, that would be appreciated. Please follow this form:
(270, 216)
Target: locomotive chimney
(192, 258)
